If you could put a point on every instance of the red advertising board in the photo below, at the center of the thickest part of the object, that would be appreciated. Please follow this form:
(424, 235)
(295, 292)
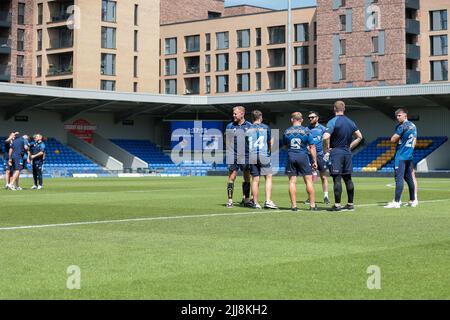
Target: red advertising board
(82, 129)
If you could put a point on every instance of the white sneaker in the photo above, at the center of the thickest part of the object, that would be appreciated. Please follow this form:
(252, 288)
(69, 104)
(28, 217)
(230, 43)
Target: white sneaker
(34, 187)
(40, 187)
(11, 187)
(393, 205)
(19, 188)
(270, 205)
(256, 206)
(412, 204)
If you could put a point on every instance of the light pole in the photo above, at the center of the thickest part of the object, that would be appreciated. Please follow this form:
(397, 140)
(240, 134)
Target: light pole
(289, 47)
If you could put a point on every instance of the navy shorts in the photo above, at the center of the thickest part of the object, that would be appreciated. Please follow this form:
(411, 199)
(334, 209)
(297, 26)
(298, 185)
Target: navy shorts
(341, 164)
(321, 163)
(298, 165)
(6, 166)
(37, 165)
(17, 163)
(237, 167)
(260, 169)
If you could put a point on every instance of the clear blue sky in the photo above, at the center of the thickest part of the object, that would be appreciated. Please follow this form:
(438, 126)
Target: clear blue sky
(274, 4)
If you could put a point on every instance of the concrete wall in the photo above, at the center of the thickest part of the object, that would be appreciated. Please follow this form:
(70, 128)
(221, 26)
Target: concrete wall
(128, 160)
(94, 153)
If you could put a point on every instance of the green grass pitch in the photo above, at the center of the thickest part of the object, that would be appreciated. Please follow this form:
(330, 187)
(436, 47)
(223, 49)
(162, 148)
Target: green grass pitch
(195, 248)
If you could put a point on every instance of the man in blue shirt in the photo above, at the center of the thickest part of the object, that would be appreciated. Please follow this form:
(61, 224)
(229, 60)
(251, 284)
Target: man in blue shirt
(6, 167)
(237, 155)
(317, 131)
(297, 139)
(37, 156)
(18, 149)
(260, 143)
(339, 143)
(405, 137)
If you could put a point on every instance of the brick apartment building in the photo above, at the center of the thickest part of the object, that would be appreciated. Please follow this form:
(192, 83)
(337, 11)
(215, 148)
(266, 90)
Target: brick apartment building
(202, 47)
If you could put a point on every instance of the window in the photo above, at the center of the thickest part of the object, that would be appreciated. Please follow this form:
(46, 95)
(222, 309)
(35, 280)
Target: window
(375, 71)
(342, 46)
(208, 84)
(171, 46)
(192, 64)
(39, 40)
(258, 36)
(301, 55)
(315, 77)
(222, 62)
(108, 11)
(302, 78)
(315, 31)
(222, 39)
(214, 15)
(315, 54)
(109, 85)
(207, 63)
(222, 84)
(171, 86)
(21, 13)
(20, 39)
(302, 32)
(258, 81)
(192, 43)
(243, 60)
(439, 45)
(38, 66)
(375, 44)
(208, 41)
(136, 9)
(108, 66)
(171, 67)
(135, 87)
(20, 60)
(343, 21)
(439, 70)
(40, 13)
(192, 86)
(438, 20)
(108, 38)
(135, 67)
(258, 59)
(277, 57)
(135, 40)
(243, 82)
(277, 80)
(342, 71)
(277, 35)
(243, 38)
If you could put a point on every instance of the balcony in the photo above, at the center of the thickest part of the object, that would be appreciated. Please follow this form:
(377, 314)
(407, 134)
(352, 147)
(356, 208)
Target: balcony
(412, 52)
(5, 19)
(192, 65)
(412, 76)
(412, 26)
(5, 47)
(62, 43)
(5, 73)
(413, 4)
(60, 70)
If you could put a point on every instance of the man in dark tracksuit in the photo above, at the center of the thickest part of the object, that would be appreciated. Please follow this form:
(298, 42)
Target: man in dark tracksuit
(37, 156)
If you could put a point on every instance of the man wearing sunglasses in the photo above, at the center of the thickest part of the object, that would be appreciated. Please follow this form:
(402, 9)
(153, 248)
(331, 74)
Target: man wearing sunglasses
(317, 130)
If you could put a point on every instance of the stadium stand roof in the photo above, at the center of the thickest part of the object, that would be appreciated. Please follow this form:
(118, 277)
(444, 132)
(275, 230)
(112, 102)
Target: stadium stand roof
(19, 98)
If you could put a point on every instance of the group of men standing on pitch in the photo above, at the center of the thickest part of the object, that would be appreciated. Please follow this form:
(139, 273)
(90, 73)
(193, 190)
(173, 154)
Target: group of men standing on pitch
(19, 150)
(311, 148)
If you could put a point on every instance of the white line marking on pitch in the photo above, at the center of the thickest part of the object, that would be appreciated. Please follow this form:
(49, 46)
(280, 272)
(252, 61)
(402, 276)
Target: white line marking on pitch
(70, 224)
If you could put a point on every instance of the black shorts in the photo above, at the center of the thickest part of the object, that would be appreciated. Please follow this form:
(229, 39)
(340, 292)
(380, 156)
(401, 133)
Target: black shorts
(6, 166)
(298, 165)
(341, 164)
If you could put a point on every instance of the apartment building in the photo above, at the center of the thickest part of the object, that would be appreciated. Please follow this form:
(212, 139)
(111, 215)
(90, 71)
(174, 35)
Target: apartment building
(236, 54)
(202, 47)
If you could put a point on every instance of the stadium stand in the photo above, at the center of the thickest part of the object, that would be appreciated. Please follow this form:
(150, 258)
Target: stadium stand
(379, 155)
(60, 158)
(160, 162)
